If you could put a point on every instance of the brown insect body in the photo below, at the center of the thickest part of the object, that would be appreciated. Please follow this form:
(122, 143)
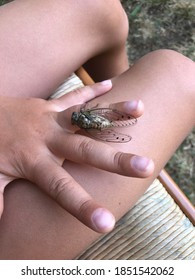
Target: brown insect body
(99, 122)
(90, 121)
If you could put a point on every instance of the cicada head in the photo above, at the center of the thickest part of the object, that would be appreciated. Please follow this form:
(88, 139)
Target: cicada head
(75, 118)
(81, 120)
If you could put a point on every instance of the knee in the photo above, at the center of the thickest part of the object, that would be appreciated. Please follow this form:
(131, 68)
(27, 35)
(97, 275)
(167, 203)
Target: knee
(174, 66)
(111, 21)
(171, 57)
(117, 22)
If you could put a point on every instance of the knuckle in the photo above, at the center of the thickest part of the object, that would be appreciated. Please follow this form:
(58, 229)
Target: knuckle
(82, 94)
(119, 162)
(57, 187)
(84, 208)
(25, 164)
(85, 148)
(31, 165)
(118, 159)
(78, 91)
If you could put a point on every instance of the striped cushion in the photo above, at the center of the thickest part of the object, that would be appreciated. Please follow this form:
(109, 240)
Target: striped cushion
(155, 228)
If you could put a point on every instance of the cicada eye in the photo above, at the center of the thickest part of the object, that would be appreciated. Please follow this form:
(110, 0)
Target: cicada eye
(74, 117)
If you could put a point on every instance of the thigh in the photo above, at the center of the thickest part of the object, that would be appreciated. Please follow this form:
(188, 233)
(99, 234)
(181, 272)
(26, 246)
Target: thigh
(34, 227)
(42, 42)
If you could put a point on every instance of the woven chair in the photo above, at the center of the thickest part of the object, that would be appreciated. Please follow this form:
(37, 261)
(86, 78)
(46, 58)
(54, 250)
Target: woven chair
(160, 226)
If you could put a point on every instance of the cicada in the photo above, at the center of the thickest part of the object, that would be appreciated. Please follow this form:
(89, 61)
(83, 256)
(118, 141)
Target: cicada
(99, 123)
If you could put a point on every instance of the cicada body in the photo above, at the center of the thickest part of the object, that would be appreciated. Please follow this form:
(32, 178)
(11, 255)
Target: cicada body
(87, 120)
(98, 122)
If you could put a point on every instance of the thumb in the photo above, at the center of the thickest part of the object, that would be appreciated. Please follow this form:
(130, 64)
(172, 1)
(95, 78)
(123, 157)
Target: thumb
(59, 185)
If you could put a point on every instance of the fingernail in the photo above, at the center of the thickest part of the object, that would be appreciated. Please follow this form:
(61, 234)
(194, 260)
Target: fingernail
(141, 163)
(106, 83)
(103, 220)
(134, 105)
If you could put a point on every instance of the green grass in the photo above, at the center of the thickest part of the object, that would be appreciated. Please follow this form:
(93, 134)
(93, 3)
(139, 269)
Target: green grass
(156, 24)
(4, 1)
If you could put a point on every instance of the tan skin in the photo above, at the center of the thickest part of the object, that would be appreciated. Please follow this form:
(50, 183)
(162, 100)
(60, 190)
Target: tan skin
(33, 225)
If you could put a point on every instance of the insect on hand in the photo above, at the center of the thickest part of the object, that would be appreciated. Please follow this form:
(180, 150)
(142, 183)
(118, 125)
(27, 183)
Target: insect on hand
(98, 122)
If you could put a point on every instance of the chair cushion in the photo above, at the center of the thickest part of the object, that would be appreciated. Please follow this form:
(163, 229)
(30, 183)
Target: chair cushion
(155, 228)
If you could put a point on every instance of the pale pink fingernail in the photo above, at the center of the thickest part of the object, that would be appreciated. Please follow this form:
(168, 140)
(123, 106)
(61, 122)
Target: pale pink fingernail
(142, 163)
(103, 220)
(106, 83)
(134, 105)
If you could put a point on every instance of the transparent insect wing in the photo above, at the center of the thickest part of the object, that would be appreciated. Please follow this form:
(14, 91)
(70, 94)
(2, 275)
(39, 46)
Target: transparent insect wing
(109, 135)
(117, 118)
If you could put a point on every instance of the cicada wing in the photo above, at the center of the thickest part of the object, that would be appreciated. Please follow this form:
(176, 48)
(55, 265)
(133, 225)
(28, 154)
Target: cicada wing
(117, 118)
(109, 135)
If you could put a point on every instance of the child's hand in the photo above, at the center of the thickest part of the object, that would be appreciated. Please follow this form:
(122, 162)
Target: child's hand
(36, 138)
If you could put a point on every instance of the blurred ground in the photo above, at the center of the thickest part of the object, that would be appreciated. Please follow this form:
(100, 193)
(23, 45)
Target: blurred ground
(169, 24)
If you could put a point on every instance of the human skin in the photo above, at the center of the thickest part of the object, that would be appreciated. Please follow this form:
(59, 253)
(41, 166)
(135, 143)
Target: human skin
(35, 67)
(33, 226)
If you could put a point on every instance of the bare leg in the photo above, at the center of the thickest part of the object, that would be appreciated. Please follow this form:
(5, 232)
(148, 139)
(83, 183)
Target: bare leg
(51, 39)
(33, 226)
